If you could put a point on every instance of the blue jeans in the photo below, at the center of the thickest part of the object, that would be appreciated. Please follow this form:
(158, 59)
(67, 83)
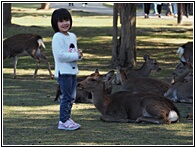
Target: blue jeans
(155, 8)
(68, 88)
(175, 8)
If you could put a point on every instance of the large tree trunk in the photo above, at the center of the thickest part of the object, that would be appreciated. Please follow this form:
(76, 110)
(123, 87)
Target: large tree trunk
(7, 16)
(124, 48)
(115, 48)
(45, 6)
(180, 12)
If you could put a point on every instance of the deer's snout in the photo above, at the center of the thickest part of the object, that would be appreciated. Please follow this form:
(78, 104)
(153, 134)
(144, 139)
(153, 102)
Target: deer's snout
(158, 69)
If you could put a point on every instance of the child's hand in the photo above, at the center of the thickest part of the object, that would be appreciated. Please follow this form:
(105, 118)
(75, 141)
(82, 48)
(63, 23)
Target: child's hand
(80, 53)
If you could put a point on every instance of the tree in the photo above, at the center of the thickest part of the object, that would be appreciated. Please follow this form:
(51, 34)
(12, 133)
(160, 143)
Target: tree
(124, 48)
(45, 6)
(7, 14)
(180, 9)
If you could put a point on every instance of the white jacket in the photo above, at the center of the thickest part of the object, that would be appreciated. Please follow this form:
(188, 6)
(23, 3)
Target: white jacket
(65, 54)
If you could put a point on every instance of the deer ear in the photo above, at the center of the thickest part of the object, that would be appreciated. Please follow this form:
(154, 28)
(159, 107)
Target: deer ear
(146, 57)
(109, 75)
(97, 70)
(118, 67)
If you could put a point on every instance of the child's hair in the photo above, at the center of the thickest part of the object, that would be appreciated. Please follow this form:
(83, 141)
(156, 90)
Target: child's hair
(60, 15)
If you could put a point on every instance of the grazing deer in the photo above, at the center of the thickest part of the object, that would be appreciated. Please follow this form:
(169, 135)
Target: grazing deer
(143, 71)
(137, 85)
(128, 106)
(25, 44)
(185, 52)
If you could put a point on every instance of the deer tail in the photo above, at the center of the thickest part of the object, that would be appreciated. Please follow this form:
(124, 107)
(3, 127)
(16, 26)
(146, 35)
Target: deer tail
(173, 116)
(41, 43)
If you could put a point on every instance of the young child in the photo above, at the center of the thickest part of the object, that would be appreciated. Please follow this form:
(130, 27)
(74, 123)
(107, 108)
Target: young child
(66, 55)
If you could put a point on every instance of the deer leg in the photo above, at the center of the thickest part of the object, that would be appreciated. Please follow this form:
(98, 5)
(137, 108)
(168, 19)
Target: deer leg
(108, 118)
(36, 68)
(152, 120)
(154, 114)
(15, 59)
(39, 54)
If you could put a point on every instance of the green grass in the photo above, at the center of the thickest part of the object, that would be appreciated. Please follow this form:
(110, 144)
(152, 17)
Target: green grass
(29, 114)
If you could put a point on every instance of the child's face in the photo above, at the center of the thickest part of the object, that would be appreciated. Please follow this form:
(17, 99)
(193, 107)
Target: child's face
(63, 26)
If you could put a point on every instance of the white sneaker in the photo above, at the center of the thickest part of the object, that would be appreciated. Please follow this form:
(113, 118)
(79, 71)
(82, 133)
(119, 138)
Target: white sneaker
(68, 125)
(74, 122)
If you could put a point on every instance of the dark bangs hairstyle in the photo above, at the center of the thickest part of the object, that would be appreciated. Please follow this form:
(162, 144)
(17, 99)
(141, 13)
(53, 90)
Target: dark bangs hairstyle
(60, 15)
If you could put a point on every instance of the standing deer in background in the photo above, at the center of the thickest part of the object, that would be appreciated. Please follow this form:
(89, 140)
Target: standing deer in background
(128, 106)
(25, 44)
(143, 71)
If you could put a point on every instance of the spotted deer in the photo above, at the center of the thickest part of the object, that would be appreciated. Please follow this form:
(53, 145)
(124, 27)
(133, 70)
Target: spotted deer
(127, 106)
(25, 44)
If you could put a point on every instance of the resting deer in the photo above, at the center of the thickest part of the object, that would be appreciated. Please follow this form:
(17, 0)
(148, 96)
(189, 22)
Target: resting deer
(25, 44)
(127, 106)
(185, 52)
(83, 96)
(142, 84)
(180, 92)
(182, 70)
(143, 71)
(181, 89)
(190, 116)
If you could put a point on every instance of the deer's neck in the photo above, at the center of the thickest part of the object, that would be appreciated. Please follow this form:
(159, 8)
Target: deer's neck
(145, 70)
(100, 100)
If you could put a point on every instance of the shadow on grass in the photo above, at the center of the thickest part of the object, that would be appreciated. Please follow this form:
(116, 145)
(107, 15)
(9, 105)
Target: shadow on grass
(41, 129)
(26, 91)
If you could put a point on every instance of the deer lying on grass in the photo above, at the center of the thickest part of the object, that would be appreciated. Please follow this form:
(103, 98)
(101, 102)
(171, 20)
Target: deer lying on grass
(142, 84)
(128, 106)
(181, 89)
(180, 92)
(25, 44)
(143, 71)
(185, 52)
(190, 116)
(83, 96)
(182, 70)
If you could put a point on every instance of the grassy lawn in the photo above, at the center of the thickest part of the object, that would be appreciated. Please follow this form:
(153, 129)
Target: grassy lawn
(29, 114)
